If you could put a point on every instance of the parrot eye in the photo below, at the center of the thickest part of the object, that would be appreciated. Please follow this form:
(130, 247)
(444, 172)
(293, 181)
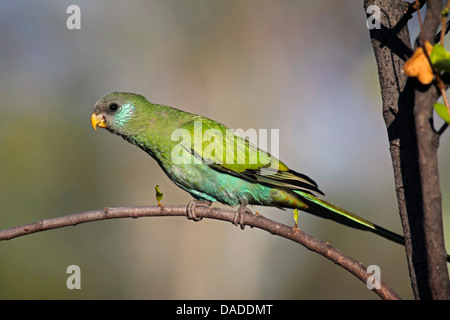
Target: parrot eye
(113, 106)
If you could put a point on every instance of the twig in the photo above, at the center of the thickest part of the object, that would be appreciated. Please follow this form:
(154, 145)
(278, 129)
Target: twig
(443, 32)
(439, 83)
(428, 142)
(438, 36)
(412, 7)
(442, 129)
(252, 220)
(417, 7)
(443, 23)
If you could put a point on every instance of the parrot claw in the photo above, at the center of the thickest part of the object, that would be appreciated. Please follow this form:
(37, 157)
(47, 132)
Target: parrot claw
(192, 205)
(240, 214)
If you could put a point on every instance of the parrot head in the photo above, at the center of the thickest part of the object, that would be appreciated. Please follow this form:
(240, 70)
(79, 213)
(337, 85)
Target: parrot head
(114, 110)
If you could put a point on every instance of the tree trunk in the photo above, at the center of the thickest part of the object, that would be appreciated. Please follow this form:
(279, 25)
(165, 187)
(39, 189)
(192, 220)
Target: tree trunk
(407, 111)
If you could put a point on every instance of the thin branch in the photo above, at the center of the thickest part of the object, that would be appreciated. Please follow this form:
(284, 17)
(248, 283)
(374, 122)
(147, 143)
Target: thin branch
(419, 17)
(252, 220)
(439, 83)
(409, 8)
(438, 36)
(442, 129)
(443, 23)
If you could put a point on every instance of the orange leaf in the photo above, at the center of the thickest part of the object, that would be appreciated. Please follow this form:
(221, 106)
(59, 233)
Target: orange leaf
(419, 66)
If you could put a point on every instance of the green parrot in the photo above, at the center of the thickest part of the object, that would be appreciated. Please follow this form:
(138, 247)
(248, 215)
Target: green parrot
(213, 164)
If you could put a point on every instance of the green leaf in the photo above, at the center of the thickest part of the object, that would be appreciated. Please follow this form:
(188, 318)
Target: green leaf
(442, 111)
(440, 58)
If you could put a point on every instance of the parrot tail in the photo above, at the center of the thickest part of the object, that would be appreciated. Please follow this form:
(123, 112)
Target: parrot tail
(327, 210)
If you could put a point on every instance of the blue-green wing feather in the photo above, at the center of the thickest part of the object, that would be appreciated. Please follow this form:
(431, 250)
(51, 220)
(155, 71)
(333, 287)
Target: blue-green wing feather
(232, 154)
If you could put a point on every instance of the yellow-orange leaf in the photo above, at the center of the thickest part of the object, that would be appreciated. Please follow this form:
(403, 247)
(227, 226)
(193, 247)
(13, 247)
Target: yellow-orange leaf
(419, 66)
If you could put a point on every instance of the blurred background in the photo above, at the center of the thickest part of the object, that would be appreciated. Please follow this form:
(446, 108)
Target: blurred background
(306, 68)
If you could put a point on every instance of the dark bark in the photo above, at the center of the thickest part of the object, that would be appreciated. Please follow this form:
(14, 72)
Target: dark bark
(428, 144)
(400, 94)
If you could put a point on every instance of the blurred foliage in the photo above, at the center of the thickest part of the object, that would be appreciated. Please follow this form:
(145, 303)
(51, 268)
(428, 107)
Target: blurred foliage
(303, 67)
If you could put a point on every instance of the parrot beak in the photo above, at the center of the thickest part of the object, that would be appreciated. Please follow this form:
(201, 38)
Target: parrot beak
(98, 120)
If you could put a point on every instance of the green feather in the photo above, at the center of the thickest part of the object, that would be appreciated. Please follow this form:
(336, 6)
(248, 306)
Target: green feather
(208, 170)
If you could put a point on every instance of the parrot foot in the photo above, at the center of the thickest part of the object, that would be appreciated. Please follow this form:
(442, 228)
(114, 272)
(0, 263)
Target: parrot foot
(240, 214)
(192, 205)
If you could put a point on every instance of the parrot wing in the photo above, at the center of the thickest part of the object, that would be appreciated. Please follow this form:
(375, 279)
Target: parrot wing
(225, 151)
